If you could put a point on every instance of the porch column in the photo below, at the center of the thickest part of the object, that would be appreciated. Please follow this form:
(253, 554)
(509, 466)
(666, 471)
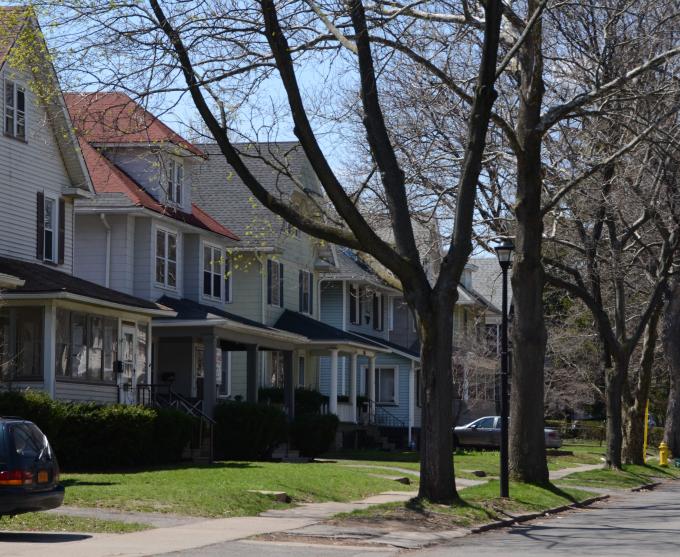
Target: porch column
(371, 387)
(353, 386)
(333, 396)
(252, 372)
(210, 374)
(49, 350)
(288, 385)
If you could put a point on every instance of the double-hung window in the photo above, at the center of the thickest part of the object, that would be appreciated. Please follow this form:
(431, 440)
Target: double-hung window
(306, 292)
(49, 229)
(175, 181)
(213, 276)
(355, 305)
(386, 385)
(15, 110)
(274, 283)
(166, 258)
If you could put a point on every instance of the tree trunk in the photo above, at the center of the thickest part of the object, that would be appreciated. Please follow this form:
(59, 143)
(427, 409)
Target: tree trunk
(634, 426)
(527, 441)
(614, 389)
(437, 481)
(670, 337)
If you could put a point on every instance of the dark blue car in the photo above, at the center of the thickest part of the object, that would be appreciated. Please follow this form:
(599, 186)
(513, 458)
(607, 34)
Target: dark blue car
(29, 472)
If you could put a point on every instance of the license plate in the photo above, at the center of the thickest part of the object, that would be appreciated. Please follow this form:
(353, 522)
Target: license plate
(43, 478)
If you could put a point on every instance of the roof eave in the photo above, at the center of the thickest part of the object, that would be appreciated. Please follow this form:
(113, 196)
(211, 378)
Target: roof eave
(61, 295)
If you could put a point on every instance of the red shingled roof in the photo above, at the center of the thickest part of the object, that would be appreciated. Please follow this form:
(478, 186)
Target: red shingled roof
(116, 118)
(108, 178)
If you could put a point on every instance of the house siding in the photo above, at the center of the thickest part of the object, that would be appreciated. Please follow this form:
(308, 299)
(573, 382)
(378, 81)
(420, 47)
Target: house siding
(331, 303)
(79, 392)
(191, 265)
(23, 177)
(246, 286)
(143, 260)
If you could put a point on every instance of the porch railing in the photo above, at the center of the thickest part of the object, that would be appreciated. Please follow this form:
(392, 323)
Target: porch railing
(162, 396)
(381, 416)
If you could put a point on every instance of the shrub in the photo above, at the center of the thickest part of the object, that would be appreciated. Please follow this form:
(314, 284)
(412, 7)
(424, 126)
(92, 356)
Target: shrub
(248, 431)
(313, 434)
(307, 401)
(88, 436)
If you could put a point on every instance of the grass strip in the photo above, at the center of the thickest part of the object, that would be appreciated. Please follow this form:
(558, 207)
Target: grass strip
(631, 476)
(49, 522)
(477, 505)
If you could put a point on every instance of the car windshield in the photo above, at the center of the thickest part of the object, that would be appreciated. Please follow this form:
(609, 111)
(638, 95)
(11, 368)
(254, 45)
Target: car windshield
(485, 423)
(29, 442)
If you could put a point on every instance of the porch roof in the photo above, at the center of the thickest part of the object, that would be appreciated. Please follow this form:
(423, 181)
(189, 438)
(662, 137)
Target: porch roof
(193, 313)
(41, 280)
(318, 332)
(396, 348)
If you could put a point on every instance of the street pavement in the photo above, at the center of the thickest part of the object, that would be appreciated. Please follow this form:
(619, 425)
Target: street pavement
(630, 525)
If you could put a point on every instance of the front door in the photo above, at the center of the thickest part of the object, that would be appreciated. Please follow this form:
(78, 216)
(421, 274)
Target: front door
(126, 379)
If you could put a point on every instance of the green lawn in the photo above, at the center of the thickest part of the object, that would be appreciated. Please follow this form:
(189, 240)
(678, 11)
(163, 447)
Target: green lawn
(48, 522)
(222, 489)
(478, 504)
(631, 476)
(468, 460)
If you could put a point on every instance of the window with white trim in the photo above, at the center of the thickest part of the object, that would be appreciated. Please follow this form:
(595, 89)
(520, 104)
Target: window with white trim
(175, 181)
(15, 110)
(225, 384)
(301, 371)
(305, 292)
(166, 258)
(213, 275)
(274, 283)
(386, 385)
(50, 228)
(355, 305)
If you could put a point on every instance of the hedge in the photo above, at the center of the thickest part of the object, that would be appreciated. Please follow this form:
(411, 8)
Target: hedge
(307, 401)
(248, 431)
(87, 436)
(313, 434)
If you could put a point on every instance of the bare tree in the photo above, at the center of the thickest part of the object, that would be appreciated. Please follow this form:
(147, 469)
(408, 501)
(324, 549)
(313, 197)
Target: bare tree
(222, 53)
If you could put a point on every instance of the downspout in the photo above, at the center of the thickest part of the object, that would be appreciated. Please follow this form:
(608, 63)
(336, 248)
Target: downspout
(107, 266)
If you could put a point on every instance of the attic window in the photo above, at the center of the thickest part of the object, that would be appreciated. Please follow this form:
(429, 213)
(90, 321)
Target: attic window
(15, 110)
(175, 181)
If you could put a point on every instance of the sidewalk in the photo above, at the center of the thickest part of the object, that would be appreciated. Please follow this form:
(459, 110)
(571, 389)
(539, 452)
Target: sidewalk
(187, 533)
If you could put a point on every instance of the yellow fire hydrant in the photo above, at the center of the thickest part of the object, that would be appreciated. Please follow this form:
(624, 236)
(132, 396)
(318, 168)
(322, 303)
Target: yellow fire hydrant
(663, 454)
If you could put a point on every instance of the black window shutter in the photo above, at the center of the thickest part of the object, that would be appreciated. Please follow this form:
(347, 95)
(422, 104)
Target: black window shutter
(375, 312)
(300, 279)
(311, 294)
(61, 246)
(40, 225)
(352, 304)
(281, 284)
(360, 295)
(269, 281)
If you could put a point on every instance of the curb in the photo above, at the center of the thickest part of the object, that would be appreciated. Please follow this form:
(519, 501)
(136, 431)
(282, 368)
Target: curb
(532, 516)
(646, 487)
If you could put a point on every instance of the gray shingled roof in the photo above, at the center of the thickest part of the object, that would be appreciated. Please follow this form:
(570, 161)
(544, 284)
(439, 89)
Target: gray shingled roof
(218, 190)
(487, 280)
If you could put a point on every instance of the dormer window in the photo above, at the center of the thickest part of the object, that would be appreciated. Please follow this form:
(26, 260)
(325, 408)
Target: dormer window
(175, 181)
(15, 110)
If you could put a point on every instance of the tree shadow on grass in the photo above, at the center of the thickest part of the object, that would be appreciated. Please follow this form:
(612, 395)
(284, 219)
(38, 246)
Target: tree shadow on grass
(74, 482)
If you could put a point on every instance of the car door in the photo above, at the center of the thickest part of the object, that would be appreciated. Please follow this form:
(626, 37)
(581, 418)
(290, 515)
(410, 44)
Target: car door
(482, 435)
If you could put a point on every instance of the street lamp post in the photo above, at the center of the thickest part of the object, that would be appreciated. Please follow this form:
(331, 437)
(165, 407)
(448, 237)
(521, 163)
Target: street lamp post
(504, 252)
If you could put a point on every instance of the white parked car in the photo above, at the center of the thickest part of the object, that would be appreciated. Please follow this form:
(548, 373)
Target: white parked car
(486, 433)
